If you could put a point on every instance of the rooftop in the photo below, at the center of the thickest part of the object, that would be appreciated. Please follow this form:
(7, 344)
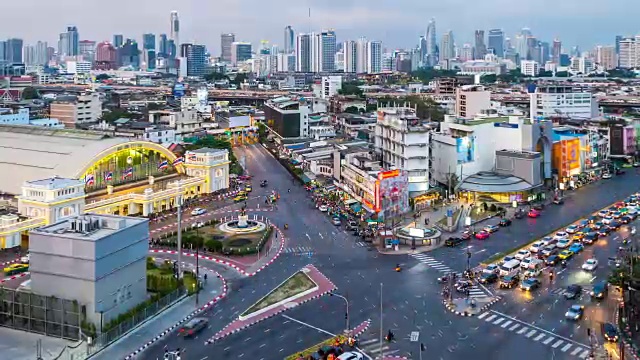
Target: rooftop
(208, 151)
(89, 227)
(490, 182)
(54, 183)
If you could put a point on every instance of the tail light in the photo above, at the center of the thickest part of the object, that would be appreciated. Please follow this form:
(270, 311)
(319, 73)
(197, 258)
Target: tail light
(190, 332)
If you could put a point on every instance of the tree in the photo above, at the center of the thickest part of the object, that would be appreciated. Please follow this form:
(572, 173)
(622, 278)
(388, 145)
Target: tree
(102, 77)
(239, 79)
(562, 74)
(512, 76)
(262, 131)
(351, 88)
(352, 110)
(213, 245)
(621, 73)
(115, 114)
(30, 93)
(426, 75)
(544, 73)
(489, 79)
(215, 76)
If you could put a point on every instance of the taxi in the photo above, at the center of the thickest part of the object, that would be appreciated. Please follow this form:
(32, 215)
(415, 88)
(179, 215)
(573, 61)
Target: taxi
(578, 236)
(240, 198)
(248, 188)
(241, 193)
(16, 269)
(533, 213)
(565, 254)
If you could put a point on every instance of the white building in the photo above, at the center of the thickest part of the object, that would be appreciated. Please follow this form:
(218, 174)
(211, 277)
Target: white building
(186, 123)
(471, 100)
(561, 100)
(529, 68)
(286, 62)
(581, 65)
(78, 67)
(330, 86)
(290, 116)
(402, 142)
(629, 57)
(160, 135)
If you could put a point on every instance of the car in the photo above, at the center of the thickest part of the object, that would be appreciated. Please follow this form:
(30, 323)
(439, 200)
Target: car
(323, 208)
(561, 235)
(597, 225)
(607, 220)
(491, 228)
(636, 164)
(14, 269)
(547, 240)
(248, 188)
(244, 177)
(241, 193)
(538, 206)
(263, 183)
(572, 229)
(565, 254)
(576, 248)
(482, 235)
(522, 254)
(491, 269)
(198, 211)
(590, 265)
(25, 259)
(578, 236)
(508, 258)
(336, 221)
(352, 225)
(558, 200)
(505, 222)
(603, 231)
(549, 250)
(626, 219)
(620, 172)
(194, 326)
(240, 198)
(592, 219)
(530, 284)
(351, 355)
(453, 241)
(564, 243)
(509, 281)
(526, 262)
(532, 273)
(610, 332)
(536, 247)
(615, 224)
(488, 278)
(590, 238)
(552, 260)
(600, 290)
(603, 213)
(533, 213)
(466, 235)
(607, 176)
(573, 292)
(575, 312)
(617, 214)
(519, 214)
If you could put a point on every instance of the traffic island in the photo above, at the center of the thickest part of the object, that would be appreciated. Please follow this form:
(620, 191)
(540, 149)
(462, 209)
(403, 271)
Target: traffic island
(464, 307)
(305, 285)
(338, 341)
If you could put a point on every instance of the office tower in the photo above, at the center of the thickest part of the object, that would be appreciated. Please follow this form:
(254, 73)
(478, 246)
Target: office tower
(171, 47)
(87, 48)
(432, 47)
(496, 42)
(196, 59)
(225, 46)
(118, 40)
(289, 40)
(556, 50)
(447, 47)
(106, 53)
(163, 46)
(303, 53)
(350, 54)
(466, 52)
(361, 55)
(422, 45)
(374, 57)
(175, 28)
(41, 56)
(70, 41)
(149, 41)
(129, 54)
(240, 51)
(606, 57)
(3, 50)
(629, 57)
(323, 51)
(480, 49)
(29, 55)
(545, 51)
(13, 51)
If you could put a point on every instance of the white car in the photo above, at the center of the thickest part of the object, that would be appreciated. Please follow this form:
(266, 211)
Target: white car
(198, 211)
(523, 254)
(607, 220)
(536, 246)
(561, 235)
(548, 240)
(526, 262)
(603, 213)
(590, 265)
(25, 259)
(563, 243)
(491, 269)
(606, 176)
(323, 208)
(572, 229)
(351, 355)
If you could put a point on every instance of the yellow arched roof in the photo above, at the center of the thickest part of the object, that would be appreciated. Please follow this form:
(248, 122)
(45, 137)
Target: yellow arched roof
(30, 153)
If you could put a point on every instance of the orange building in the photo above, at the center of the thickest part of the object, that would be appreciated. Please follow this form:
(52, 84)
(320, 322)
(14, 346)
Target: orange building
(566, 157)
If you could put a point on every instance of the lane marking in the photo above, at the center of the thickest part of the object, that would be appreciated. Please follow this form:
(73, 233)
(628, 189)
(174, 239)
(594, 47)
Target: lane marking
(558, 343)
(507, 323)
(576, 351)
(521, 331)
(530, 333)
(540, 329)
(540, 336)
(565, 348)
(550, 339)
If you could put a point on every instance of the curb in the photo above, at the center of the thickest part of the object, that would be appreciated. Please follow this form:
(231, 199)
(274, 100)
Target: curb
(13, 277)
(185, 319)
(395, 357)
(485, 307)
(368, 321)
(10, 262)
(222, 334)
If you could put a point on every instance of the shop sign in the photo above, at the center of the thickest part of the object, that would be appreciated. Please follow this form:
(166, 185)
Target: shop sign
(388, 174)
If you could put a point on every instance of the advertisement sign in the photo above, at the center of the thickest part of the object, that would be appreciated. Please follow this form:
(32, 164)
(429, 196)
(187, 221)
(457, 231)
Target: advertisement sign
(566, 156)
(393, 193)
(178, 90)
(465, 149)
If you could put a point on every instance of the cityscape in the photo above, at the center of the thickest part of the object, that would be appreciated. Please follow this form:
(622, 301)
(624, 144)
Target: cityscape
(319, 197)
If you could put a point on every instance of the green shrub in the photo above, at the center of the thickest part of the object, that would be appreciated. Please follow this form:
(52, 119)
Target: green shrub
(213, 245)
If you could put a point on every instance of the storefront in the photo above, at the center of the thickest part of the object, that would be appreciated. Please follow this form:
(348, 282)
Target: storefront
(505, 189)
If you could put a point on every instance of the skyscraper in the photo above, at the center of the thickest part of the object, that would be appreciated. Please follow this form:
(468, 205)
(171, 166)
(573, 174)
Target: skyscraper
(480, 49)
(87, 49)
(240, 51)
(196, 59)
(175, 28)
(289, 40)
(303, 53)
(42, 56)
(361, 55)
(13, 51)
(118, 40)
(447, 48)
(350, 53)
(556, 50)
(106, 53)
(422, 45)
(149, 41)
(374, 57)
(225, 46)
(323, 51)
(496, 42)
(163, 46)
(3, 50)
(432, 47)
(29, 55)
(69, 43)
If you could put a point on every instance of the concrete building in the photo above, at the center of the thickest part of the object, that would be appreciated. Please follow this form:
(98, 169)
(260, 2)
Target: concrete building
(401, 140)
(185, 123)
(240, 51)
(581, 65)
(482, 67)
(289, 116)
(303, 53)
(629, 54)
(471, 100)
(79, 67)
(561, 101)
(98, 260)
(84, 108)
(330, 86)
(226, 41)
(21, 117)
(606, 57)
(529, 68)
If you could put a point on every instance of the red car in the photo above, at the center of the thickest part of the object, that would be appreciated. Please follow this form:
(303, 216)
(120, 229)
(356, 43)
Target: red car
(466, 235)
(533, 213)
(244, 177)
(481, 235)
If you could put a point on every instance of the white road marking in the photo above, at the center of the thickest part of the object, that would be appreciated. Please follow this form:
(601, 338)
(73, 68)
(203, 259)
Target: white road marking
(539, 337)
(575, 351)
(483, 315)
(524, 328)
(491, 317)
(498, 321)
(558, 343)
(565, 348)
(507, 323)
(530, 333)
(584, 354)
(308, 325)
(514, 327)
(550, 339)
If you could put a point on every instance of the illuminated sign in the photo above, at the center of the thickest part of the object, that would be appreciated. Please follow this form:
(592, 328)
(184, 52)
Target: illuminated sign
(388, 174)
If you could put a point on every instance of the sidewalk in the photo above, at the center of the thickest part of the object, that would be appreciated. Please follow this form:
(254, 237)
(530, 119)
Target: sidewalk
(163, 323)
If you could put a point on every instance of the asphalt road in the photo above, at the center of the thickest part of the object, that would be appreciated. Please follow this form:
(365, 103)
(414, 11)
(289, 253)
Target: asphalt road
(410, 299)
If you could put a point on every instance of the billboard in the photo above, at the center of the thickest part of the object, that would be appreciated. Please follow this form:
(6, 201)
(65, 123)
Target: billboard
(465, 149)
(566, 157)
(392, 190)
(178, 90)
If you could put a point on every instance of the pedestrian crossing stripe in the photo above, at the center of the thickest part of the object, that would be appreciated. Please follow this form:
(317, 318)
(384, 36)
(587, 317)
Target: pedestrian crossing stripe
(554, 341)
(371, 346)
(299, 249)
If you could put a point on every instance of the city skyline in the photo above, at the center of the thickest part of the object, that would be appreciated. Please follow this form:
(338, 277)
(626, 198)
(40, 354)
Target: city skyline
(586, 27)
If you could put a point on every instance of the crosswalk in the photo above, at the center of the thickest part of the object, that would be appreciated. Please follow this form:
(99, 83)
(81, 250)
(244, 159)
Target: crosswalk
(536, 334)
(361, 244)
(298, 250)
(474, 292)
(371, 347)
(563, 291)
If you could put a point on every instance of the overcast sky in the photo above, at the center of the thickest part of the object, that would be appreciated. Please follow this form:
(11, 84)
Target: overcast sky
(398, 23)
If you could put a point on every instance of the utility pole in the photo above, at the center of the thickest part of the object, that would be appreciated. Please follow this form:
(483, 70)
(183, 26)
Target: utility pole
(381, 331)
(179, 200)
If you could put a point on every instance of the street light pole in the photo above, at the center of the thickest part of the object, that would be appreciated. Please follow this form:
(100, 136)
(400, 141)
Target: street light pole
(179, 200)
(381, 333)
(346, 304)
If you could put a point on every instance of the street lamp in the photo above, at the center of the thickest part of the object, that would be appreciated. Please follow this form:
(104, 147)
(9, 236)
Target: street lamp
(346, 304)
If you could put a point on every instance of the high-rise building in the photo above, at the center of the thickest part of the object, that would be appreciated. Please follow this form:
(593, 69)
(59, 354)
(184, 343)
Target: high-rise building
(87, 49)
(13, 51)
(606, 57)
(323, 51)
(105, 56)
(556, 50)
(69, 43)
(196, 59)
(29, 55)
(350, 53)
(240, 51)
(129, 54)
(175, 28)
(303, 53)
(447, 46)
(361, 55)
(225, 46)
(118, 40)
(289, 40)
(466, 52)
(496, 42)
(480, 49)
(42, 55)
(432, 46)
(629, 57)
(163, 46)
(3, 51)
(149, 41)
(374, 57)
(422, 45)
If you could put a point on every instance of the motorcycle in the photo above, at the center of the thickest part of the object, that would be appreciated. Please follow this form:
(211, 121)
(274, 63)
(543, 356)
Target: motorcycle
(286, 226)
(564, 264)
(398, 268)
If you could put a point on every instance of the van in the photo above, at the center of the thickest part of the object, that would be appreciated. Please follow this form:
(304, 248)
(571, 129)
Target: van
(600, 290)
(509, 267)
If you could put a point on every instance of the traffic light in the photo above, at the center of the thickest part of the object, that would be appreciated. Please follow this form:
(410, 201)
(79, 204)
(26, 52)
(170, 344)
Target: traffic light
(422, 347)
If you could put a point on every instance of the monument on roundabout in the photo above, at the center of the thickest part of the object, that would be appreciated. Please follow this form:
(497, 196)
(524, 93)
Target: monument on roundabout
(242, 225)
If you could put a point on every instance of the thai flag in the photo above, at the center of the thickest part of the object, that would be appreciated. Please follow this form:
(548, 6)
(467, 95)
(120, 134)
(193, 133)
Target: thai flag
(177, 161)
(108, 176)
(193, 157)
(127, 173)
(89, 179)
(163, 165)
